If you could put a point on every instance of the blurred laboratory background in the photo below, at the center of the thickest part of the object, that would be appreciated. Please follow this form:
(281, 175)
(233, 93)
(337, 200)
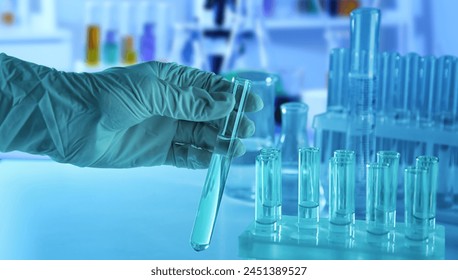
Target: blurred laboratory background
(64, 212)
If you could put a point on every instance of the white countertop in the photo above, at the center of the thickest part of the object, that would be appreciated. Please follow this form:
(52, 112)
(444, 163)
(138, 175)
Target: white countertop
(58, 211)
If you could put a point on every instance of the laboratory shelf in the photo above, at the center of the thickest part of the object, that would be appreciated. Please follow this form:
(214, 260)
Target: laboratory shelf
(22, 34)
(331, 242)
(324, 21)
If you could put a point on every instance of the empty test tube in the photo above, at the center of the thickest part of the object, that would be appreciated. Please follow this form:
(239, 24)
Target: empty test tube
(268, 198)
(391, 158)
(218, 170)
(426, 92)
(416, 203)
(388, 75)
(379, 208)
(411, 63)
(431, 164)
(442, 102)
(339, 64)
(404, 98)
(342, 188)
(308, 187)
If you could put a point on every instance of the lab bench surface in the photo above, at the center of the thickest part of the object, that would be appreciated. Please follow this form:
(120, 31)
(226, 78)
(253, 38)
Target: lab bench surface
(58, 211)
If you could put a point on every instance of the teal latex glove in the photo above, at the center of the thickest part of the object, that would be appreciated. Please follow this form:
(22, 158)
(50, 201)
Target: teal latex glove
(144, 115)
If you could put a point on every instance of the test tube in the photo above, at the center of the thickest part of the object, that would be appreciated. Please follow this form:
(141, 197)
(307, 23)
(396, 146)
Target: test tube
(431, 164)
(218, 170)
(308, 187)
(446, 118)
(411, 84)
(268, 198)
(342, 188)
(445, 184)
(379, 206)
(416, 203)
(388, 75)
(391, 158)
(442, 102)
(426, 93)
(339, 64)
(404, 98)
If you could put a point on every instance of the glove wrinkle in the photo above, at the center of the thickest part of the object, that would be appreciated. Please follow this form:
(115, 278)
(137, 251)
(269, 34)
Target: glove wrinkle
(14, 121)
(143, 115)
(47, 109)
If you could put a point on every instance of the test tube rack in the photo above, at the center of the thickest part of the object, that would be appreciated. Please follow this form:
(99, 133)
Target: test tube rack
(339, 236)
(328, 242)
(416, 108)
(411, 140)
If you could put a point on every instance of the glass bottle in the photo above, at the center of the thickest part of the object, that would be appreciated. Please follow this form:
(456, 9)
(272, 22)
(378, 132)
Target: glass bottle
(93, 33)
(147, 43)
(110, 48)
(293, 136)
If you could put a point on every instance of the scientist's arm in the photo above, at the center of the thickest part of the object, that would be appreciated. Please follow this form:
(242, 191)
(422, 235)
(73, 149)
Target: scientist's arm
(147, 114)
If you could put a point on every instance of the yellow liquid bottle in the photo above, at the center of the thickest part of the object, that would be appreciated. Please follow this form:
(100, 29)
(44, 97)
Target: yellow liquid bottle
(93, 45)
(129, 55)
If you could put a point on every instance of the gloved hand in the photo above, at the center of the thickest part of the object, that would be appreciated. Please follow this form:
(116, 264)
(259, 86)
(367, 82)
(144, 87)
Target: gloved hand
(148, 114)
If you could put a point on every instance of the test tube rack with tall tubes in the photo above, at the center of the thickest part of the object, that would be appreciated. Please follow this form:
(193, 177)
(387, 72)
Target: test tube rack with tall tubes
(361, 77)
(339, 236)
(409, 103)
(416, 113)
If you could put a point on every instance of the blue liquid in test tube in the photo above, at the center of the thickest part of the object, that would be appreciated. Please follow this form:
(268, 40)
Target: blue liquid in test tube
(218, 171)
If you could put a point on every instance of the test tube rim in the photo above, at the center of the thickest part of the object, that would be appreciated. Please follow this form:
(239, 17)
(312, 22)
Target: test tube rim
(430, 160)
(343, 153)
(415, 169)
(389, 154)
(267, 154)
(309, 149)
(265, 78)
